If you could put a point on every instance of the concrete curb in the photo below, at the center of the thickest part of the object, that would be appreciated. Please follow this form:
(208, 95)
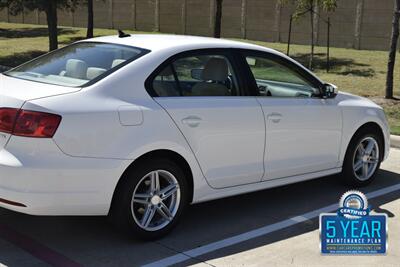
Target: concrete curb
(395, 141)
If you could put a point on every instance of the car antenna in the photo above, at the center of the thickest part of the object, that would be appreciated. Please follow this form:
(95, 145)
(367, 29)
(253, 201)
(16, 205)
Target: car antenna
(121, 34)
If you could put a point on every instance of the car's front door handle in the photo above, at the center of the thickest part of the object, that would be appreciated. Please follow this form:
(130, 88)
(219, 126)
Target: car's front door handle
(274, 117)
(192, 121)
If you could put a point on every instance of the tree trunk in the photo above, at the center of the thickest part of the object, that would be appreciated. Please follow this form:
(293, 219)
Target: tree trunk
(392, 52)
(218, 18)
(51, 15)
(310, 64)
(89, 33)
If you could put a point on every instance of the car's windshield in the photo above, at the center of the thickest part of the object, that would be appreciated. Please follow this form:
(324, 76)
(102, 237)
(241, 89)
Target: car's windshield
(77, 64)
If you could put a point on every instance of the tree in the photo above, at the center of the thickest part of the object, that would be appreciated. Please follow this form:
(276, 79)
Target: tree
(392, 52)
(90, 24)
(303, 7)
(218, 19)
(50, 7)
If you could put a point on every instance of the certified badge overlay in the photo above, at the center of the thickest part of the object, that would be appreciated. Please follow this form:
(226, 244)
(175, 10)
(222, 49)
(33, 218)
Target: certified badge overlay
(353, 230)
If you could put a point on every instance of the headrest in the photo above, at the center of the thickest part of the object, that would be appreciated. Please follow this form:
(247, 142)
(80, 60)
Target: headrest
(76, 68)
(216, 69)
(94, 72)
(166, 71)
(116, 62)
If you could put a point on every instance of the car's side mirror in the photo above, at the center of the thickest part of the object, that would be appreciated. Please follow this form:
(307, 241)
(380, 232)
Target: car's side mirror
(197, 74)
(329, 90)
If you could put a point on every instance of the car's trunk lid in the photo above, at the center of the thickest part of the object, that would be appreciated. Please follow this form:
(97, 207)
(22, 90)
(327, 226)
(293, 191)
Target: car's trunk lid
(24, 90)
(15, 92)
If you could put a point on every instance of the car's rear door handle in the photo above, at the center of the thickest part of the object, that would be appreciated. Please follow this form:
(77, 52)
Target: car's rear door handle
(192, 121)
(274, 117)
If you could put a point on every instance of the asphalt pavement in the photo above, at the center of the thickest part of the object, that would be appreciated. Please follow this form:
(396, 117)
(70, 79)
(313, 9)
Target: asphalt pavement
(274, 227)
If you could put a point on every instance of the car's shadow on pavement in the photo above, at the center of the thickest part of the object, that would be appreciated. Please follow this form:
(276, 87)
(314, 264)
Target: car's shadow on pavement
(92, 241)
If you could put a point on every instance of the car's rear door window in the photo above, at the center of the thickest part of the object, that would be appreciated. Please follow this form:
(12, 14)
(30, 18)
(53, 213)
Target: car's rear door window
(197, 75)
(78, 64)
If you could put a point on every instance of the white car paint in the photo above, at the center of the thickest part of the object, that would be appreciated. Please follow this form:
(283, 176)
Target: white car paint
(109, 124)
(228, 140)
(295, 143)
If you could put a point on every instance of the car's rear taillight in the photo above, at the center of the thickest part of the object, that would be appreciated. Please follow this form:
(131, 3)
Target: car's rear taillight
(28, 123)
(7, 119)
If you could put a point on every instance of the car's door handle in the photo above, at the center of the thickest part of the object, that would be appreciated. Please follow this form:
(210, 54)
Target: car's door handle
(192, 121)
(274, 117)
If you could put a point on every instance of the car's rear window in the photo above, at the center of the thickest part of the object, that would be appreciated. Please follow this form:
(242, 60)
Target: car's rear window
(78, 64)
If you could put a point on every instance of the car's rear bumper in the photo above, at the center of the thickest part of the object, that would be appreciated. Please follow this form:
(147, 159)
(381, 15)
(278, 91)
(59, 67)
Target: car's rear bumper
(37, 178)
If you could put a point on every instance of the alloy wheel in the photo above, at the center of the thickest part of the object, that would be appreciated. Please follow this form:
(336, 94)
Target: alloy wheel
(366, 158)
(155, 200)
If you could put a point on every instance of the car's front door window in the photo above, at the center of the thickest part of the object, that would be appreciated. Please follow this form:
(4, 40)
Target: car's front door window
(275, 79)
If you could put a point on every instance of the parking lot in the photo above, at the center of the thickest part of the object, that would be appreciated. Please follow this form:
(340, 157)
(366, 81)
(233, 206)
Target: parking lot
(268, 228)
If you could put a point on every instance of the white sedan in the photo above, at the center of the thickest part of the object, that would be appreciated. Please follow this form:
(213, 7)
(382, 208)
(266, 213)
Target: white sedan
(138, 127)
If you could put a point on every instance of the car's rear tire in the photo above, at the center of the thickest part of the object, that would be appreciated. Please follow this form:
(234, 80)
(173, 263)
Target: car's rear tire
(363, 158)
(150, 200)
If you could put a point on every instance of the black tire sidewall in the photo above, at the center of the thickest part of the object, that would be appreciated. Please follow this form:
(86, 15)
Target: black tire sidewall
(122, 215)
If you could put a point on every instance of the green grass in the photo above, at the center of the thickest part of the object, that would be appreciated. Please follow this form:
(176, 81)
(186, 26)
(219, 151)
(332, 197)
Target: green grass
(360, 72)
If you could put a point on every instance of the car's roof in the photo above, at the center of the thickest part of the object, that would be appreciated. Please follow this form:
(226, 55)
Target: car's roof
(155, 42)
(169, 44)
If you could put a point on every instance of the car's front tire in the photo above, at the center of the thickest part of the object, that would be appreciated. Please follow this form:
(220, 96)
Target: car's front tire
(363, 158)
(151, 199)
